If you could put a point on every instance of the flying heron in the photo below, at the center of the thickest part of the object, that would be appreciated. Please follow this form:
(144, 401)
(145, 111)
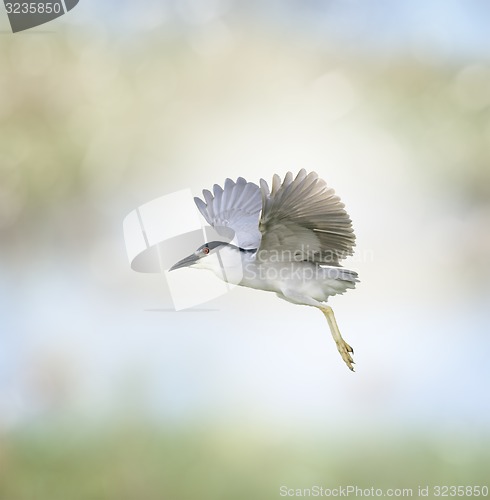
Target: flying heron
(289, 240)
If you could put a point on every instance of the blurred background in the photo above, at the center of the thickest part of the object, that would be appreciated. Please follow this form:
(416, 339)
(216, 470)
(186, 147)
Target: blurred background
(104, 392)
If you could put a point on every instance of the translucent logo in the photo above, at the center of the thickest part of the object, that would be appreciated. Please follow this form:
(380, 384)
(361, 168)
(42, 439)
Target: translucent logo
(26, 15)
(162, 232)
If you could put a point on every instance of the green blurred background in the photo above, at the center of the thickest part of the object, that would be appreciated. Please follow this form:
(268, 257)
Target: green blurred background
(104, 393)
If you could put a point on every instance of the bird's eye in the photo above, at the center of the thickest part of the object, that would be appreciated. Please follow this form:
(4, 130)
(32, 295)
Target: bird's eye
(205, 250)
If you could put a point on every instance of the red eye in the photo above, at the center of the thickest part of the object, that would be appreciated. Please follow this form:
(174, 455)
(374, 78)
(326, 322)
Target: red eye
(205, 250)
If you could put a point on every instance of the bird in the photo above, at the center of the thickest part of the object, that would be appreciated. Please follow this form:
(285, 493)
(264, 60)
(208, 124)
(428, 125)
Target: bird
(289, 239)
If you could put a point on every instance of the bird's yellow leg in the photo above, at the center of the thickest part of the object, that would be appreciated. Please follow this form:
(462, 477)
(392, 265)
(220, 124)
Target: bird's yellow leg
(344, 348)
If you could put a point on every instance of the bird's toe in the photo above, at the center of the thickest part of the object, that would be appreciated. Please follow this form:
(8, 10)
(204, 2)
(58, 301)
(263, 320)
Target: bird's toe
(345, 351)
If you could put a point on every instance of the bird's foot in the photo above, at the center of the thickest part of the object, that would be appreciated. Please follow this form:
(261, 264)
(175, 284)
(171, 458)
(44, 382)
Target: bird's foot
(345, 351)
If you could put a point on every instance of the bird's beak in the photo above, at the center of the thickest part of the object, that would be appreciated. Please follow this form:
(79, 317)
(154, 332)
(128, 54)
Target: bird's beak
(188, 261)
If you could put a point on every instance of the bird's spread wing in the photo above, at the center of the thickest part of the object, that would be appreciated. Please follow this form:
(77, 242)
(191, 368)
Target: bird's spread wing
(237, 207)
(303, 219)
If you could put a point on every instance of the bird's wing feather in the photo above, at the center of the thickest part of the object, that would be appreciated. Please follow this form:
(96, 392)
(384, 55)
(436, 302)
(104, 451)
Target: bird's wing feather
(303, 219)
(237, 207)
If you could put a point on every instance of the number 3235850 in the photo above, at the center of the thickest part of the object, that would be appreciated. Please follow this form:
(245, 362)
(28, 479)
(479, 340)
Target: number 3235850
(33, 8)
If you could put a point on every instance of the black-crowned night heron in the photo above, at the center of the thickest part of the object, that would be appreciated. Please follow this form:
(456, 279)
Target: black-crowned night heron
(288, 240)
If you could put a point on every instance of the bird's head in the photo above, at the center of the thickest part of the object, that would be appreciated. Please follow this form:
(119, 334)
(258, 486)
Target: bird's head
(201, 257)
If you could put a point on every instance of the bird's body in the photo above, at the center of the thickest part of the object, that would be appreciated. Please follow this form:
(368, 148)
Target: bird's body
(288, 241)
(288, 280)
